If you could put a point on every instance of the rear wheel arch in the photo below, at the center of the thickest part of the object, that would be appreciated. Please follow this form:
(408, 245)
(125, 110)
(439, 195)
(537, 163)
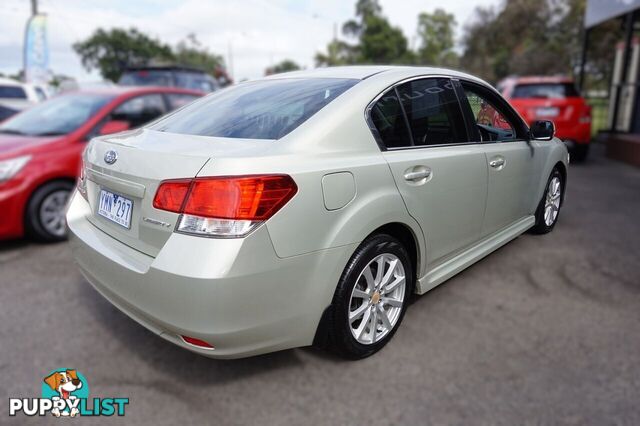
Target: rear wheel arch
(398, 230)
(563, 172)
(407, 237)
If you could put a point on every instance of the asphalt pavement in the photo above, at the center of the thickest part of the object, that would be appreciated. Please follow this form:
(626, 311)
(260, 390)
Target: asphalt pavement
(544, 331)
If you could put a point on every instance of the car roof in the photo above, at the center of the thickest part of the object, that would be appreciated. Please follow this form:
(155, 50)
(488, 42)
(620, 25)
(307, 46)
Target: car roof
(10, 82)
(181, 68)
(362, 72)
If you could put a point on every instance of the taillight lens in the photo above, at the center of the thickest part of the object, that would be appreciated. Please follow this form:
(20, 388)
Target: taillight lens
(586, 115)
(81, 184)
(230, 206)
(171, 194)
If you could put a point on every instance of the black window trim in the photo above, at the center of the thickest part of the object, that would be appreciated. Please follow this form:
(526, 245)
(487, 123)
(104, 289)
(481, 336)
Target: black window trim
(457, 82)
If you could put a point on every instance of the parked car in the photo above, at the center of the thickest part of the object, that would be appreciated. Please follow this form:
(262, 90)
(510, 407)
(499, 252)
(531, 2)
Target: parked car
(553, 98)
(170, 76)
(308, 207)
(18, 96)
(40, 151)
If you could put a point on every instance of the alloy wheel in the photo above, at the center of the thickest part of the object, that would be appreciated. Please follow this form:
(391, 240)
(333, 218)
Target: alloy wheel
(552, 201)
(377, 299)
(51, 213)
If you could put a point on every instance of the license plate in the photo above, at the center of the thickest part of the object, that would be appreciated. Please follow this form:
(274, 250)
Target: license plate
(547, 112)
(116, 208)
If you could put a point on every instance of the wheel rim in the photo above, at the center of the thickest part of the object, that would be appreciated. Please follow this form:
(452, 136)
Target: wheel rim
(52, 213)
(377, 299)
(552, 201)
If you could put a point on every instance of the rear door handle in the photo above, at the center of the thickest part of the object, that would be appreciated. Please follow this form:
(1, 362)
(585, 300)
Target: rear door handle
(417, 173)
(497, 162)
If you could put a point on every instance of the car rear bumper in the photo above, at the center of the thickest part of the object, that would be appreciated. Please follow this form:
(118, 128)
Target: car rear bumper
(577, 134)
(235, 294)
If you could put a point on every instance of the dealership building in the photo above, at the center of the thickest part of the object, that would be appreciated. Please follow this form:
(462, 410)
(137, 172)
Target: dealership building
(622, 137)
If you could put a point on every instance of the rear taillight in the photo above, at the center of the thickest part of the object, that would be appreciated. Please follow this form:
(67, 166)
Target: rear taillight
(230, 206)
(586, 115)
(81, 184)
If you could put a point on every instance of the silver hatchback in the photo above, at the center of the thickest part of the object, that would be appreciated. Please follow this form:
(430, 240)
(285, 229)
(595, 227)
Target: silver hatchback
(308, 207)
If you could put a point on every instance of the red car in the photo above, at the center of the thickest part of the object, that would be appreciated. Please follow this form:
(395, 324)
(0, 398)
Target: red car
(555, 99)
(40, 150)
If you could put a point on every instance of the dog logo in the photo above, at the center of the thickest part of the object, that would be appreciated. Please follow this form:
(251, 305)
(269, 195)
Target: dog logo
(65, 394)
(65, 383)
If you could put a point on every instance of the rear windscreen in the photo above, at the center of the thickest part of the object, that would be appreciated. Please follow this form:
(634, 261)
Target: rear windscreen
(146, 78)
(546, 91)
(266, 109)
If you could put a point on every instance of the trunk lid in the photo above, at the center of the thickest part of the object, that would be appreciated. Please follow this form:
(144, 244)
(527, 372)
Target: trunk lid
(144, 159)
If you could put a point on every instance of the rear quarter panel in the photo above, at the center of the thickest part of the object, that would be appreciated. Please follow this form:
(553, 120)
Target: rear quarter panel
(336, 139)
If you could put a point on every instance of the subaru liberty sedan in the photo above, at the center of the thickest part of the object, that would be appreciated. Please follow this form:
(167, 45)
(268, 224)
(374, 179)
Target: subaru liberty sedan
(308, 207)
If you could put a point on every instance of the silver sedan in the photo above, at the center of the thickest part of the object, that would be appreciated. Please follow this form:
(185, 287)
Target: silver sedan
(308, 207)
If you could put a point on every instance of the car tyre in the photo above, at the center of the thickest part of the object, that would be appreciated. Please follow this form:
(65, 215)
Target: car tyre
(548, 210)
(44, 216)
(380, 299)
(580, 152)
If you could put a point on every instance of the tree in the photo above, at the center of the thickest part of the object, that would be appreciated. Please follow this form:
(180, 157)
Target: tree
(548, 41)
(338, 53)
(285, 65)
(377, 40)
(436, 35)
(190, 52)
(112, 51)
(381, 43)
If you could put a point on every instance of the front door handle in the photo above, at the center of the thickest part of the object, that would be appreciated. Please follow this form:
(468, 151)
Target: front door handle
(497, 163)
(417, 174)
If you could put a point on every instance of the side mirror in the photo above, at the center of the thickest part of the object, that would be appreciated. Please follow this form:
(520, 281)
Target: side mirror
(114, 126)
(543, 130)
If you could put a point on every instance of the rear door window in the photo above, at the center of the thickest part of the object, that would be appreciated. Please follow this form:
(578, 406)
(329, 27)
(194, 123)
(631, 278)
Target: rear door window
(433, 112)
(389, 121)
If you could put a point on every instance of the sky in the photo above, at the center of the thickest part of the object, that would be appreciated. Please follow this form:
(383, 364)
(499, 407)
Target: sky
(254, 34)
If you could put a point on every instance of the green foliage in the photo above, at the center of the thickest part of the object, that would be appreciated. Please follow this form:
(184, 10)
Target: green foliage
(338, 53)
(283, 66)
(191, 53)
(436, 35)
(111, 51)
(377, 40)
(535, 37)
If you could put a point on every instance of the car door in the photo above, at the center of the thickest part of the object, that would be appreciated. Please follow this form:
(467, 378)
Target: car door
(441, 176)
(508, 154)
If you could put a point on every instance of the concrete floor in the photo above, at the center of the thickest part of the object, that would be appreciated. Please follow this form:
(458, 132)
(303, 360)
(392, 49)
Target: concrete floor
(544, 331)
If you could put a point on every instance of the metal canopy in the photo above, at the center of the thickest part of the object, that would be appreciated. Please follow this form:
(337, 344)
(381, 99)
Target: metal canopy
(599, 11)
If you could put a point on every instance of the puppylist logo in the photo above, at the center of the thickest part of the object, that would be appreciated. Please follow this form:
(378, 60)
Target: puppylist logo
(65, 393)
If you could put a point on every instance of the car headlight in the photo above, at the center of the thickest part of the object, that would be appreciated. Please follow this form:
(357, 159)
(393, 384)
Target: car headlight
(9, 168)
